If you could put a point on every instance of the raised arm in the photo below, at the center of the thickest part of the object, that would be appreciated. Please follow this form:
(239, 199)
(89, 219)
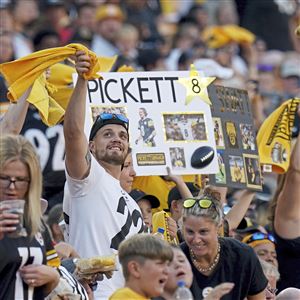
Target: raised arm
(13, 120)
(287, 212)
(238, 211)
(180, 184)
(78, 157)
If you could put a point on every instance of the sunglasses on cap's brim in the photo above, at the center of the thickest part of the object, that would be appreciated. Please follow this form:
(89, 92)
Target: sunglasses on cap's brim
(105, 118)
(203, 203)
(108, 116)
(259, 236)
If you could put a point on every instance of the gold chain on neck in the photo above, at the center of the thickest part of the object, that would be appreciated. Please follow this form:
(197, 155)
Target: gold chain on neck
(210, 267)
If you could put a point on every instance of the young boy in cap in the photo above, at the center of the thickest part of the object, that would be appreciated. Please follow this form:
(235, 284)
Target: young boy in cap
(146, 204)
(144, 259)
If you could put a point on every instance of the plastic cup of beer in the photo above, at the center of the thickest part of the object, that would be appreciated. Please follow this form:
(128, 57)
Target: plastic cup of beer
(15, 206)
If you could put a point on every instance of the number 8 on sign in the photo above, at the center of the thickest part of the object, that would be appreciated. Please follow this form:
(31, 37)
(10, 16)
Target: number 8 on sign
(196, 88)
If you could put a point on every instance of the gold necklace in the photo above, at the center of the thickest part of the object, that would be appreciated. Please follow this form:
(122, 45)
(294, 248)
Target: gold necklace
(210, 267)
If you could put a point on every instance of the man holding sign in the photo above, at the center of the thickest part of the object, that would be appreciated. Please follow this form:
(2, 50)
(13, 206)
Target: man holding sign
(101, 213)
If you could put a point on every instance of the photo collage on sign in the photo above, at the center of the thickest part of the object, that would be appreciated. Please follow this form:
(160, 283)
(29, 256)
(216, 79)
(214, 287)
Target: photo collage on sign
(235, 139)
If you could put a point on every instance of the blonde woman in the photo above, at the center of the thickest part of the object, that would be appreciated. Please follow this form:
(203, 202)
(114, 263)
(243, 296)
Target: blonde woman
(215, 259)
(23, 272)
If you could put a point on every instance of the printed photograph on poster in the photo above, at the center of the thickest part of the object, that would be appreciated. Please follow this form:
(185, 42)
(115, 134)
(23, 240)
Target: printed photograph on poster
(253, 173)
(99, 109)
(146, 129)
(237, 169)
(184, 127)
(231, 135)
(220, 177)
(248, 136)
(218, 132)
(177, 157)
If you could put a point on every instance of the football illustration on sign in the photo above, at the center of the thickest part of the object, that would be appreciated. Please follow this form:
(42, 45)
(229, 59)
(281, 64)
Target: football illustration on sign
(202, 157)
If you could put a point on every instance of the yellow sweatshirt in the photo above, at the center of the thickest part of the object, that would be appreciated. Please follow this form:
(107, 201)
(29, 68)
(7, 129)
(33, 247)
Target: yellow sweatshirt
(126, 293)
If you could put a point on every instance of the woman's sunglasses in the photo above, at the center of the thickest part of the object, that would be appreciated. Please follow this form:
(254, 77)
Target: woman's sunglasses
(203, 203)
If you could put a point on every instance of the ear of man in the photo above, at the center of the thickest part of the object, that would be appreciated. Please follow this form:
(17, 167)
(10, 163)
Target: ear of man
(92, 146)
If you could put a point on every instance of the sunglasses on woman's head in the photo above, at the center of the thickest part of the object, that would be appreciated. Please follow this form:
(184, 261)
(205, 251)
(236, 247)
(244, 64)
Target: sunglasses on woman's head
(259, 236)
(203, 203)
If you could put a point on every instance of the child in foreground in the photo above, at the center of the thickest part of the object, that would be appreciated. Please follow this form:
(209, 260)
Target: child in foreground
(144, 259)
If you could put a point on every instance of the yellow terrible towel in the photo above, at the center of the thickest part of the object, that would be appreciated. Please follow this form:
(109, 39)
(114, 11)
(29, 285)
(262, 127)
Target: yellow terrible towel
(50, 111)
(20, 74)
(274, 136)
(61, 78)
(220, 36)
(50, 97)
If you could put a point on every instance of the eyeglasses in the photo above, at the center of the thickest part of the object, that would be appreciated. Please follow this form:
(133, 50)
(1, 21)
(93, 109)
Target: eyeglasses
(259, 236)
(108, 116)
(203, 203)
(19, 182)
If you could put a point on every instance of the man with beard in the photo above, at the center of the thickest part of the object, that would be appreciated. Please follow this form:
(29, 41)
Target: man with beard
(100, 213)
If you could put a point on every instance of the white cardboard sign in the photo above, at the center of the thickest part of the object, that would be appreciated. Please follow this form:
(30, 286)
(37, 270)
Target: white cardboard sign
(163, 129)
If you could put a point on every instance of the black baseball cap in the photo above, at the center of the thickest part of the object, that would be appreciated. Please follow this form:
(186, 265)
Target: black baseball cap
(139, 195)
(174, 193)
(247, 226)
(108, 118)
